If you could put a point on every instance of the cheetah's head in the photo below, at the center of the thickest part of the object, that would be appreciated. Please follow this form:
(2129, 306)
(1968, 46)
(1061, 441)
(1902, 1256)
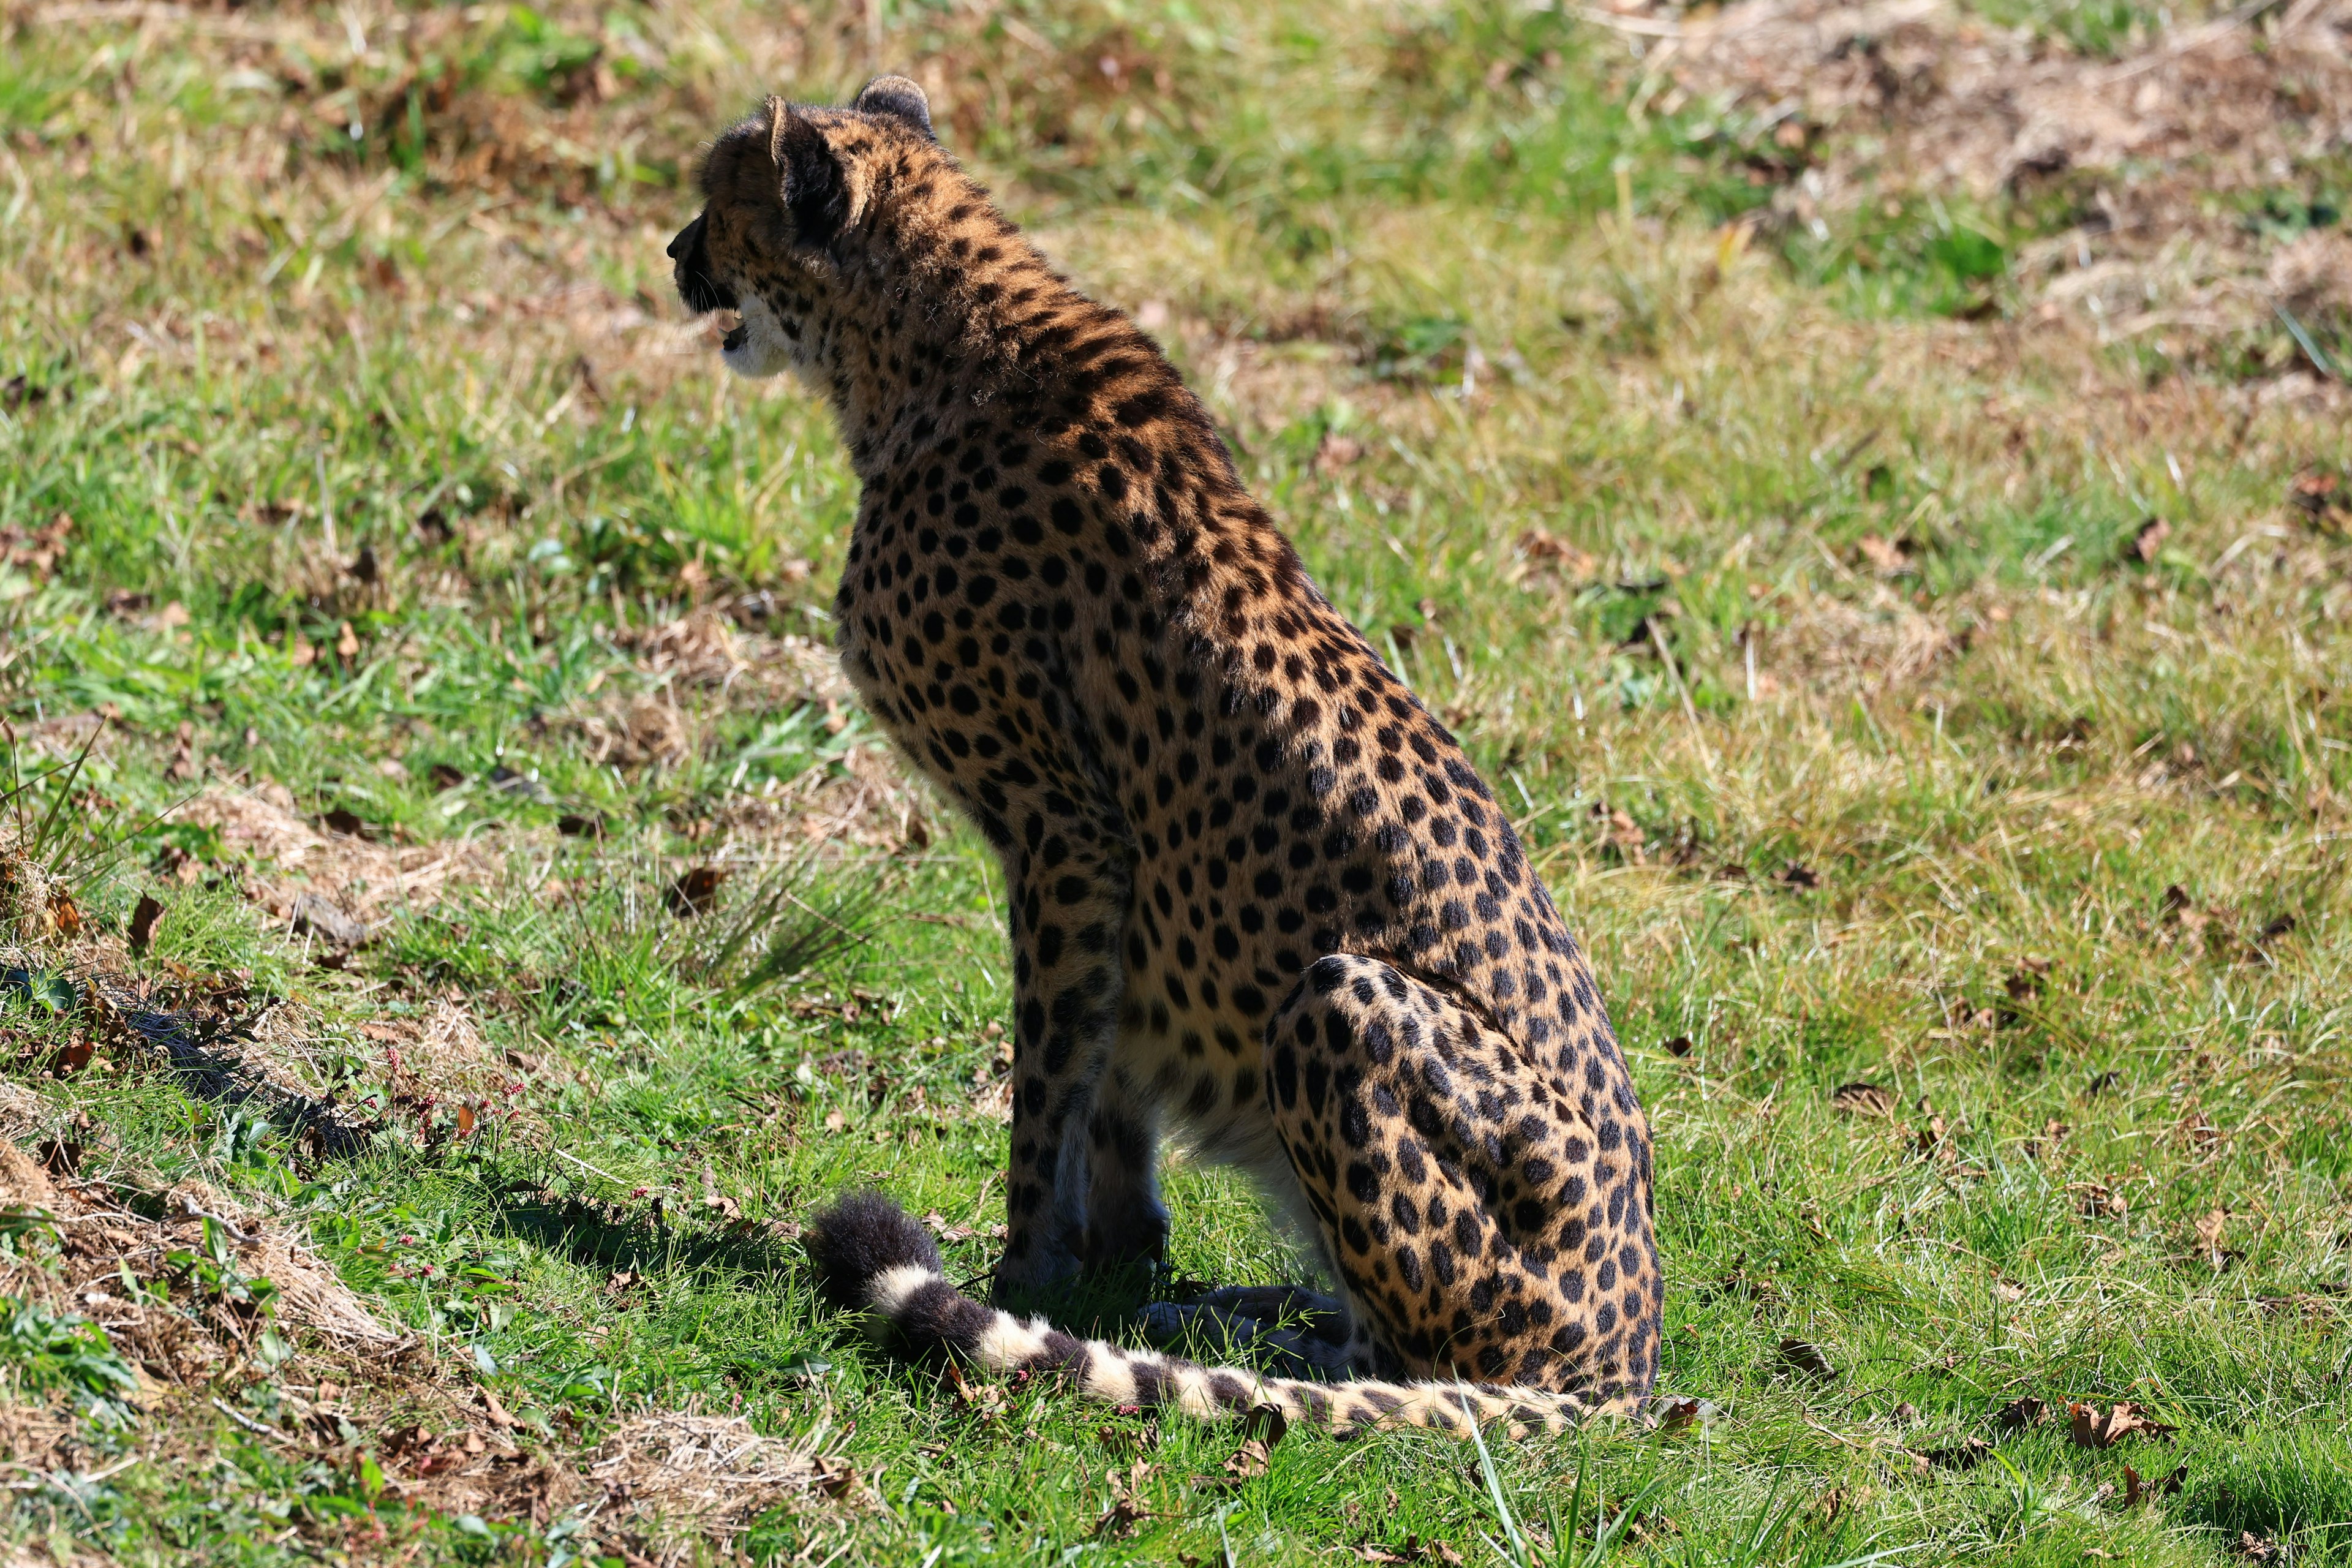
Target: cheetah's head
(786, 195)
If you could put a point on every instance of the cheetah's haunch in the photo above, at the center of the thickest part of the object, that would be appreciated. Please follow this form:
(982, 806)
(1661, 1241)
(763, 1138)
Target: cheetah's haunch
(1257, 894)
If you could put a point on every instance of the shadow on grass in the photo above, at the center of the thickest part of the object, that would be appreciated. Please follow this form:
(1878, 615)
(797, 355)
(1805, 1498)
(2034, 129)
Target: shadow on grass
(2291, 1488)
(200, 1048)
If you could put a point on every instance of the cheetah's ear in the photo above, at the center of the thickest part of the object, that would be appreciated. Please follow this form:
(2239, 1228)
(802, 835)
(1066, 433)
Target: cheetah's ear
(809, 176)
(899, 98)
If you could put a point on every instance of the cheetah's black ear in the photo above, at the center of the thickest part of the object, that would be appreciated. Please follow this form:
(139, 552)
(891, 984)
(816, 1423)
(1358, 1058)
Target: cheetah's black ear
(810, 178)
(899, 98)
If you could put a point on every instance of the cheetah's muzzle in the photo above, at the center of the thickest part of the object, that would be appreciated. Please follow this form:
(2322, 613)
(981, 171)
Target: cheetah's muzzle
(1257, 895)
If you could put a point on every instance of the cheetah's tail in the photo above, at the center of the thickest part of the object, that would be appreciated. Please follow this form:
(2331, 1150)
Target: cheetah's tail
(869, 1256)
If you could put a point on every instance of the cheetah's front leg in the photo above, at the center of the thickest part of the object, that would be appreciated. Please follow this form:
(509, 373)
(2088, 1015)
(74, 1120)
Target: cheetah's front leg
(1068, 909)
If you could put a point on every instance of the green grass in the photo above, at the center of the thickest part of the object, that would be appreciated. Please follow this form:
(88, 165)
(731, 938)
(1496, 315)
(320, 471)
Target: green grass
(1905, 804)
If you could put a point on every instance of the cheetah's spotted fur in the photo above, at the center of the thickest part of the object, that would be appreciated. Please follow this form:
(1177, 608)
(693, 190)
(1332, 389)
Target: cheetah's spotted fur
(1257, 894)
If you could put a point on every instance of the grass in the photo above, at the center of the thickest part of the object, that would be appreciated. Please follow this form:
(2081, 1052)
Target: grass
(1818, 639)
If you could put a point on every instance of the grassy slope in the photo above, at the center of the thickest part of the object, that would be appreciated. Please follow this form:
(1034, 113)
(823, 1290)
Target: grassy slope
(262, 348)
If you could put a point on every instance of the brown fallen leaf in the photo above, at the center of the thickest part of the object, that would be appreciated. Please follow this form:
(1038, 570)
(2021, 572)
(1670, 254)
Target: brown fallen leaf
(1675, 1414)
(2096, 1200)
(2089, 1429)
(2255, 1548)
(1263, 1428)
(2136, 1489)
(2197, 1132)
(2317, 493)
(496, 1411)
(1414, 1550)
(1806, 1360)
(1265, 1424)
(834, 1477)
(142, 921)
(344, 820)
(327, 921)
(1336, 452)
(2213, 1233)
(1961, 1454)
(1885, 555)
(695, 891)
(347, 643)
(2020, 1415)
(1127, 1510)
(1863, 1100)
(1680, 1045)
(1243, 1464)
(1929, 1144)
(985, 1400)
(2149, 539)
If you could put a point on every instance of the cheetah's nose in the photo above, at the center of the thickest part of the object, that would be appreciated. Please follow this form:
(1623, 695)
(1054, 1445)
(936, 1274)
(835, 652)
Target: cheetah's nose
(687, 238)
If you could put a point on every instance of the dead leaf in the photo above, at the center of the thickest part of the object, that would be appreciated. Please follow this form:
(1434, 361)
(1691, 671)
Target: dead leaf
(1266, 1423)
(2022, 1414)
(1336, 452)
(1930, 1142)
(982, 1401)
(2197, 1132)
(327, 921)
(343, 819)
(2053, 1134)
(2136, 1489)
(694, 892)
(1863, 1100)
(1964, 1454)
(1540, 547)
(1675, 1414)
(1806, 1360)
(2149, 539)
(1266, 1426)
(1885, 555)
(142, 921)
(1127, 1509)
(347, 643)
(2317, 493)
(2255, 1548)
(2090, 1429)
(496, 1411)
(1680, 1045)
(2097, 1200)
(834, 1477)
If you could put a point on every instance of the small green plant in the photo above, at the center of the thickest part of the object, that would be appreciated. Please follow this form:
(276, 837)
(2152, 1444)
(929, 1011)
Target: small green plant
(211, 1268)
(42, 1351)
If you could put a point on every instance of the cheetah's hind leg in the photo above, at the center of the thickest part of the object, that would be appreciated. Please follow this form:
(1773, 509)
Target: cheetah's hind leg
(1291, 1330)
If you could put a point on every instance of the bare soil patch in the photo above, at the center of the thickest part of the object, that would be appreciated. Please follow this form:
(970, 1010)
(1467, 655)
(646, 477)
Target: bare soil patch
(1869, 102)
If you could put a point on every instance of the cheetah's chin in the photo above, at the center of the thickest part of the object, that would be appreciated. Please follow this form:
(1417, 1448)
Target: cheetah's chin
(755, 347)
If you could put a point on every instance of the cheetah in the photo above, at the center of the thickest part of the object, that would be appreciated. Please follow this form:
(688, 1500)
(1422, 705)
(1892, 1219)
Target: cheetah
(1258, 899)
